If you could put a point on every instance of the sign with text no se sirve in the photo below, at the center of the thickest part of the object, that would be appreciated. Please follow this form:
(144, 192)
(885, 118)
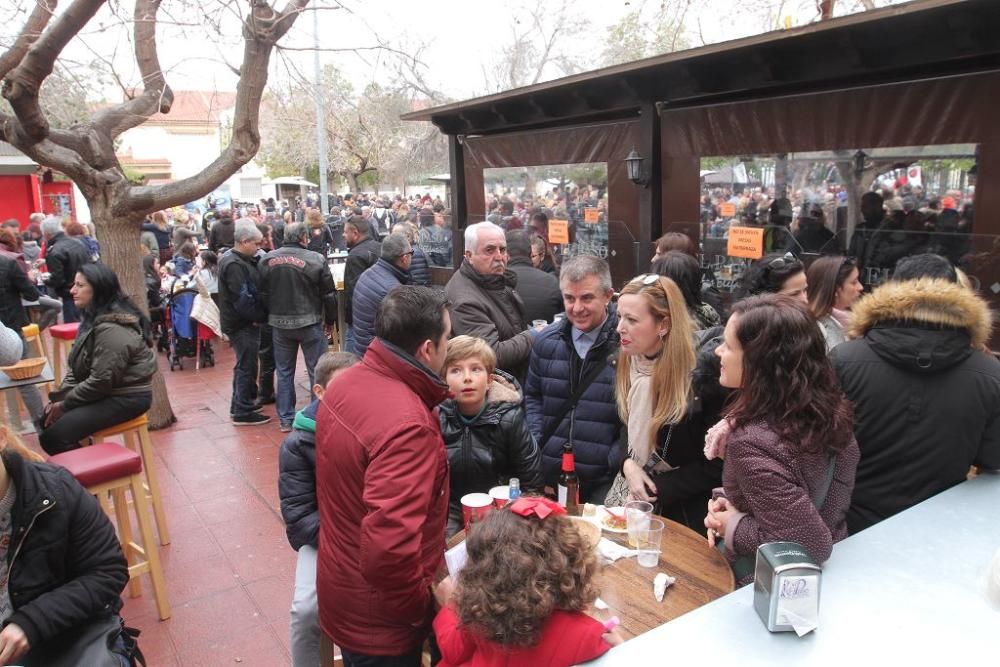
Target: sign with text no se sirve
(558, 232)
(747, 242)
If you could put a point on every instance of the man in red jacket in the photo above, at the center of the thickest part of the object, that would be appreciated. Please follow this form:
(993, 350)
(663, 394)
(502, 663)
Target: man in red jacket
(382, 486)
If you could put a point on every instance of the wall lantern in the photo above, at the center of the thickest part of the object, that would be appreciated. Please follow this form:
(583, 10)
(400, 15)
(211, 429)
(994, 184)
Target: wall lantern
(634, 168)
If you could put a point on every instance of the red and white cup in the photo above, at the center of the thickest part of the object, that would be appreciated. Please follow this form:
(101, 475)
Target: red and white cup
(475, 507)
(500, 495)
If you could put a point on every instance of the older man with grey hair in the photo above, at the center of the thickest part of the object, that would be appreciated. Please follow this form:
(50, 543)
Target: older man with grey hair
(484, 303)
(571, 384)
(391, 270)
(300, 295)
(64, 255)
(241, 310)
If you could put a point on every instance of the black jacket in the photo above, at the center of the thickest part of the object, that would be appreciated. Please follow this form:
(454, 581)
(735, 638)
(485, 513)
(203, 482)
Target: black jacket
(372, 287)
(63, 258)
(320, 239)
(683, 493)
(491, 450)
(14, 286)
(298, 287)
(539, 291)
(222, 234)
(297, 480)
(359, 258)
(926, 398)
(66, 565)
(420, 270)
(234, 269)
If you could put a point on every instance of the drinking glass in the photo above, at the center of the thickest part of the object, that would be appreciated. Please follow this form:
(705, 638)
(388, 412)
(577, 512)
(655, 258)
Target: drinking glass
(649, 543)
(637, 513)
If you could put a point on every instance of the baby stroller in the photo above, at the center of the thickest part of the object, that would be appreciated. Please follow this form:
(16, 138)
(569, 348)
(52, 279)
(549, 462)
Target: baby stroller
(188, 338)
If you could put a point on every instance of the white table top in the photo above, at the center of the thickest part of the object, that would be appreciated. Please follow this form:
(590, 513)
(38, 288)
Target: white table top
(907, 591)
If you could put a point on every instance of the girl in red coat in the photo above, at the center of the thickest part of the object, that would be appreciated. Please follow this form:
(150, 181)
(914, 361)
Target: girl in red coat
(522, 595)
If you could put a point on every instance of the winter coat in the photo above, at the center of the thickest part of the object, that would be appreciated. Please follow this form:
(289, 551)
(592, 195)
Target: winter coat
(771, 484)
(372, 287)
(420, 270)
(496, 446)
(235, 268)
(553, 371)
(926, 398)
(14, 286)
(64, 256)
(31, 250)
(359, 259)
(110, 357)
(488, 307)
(320, 239)
(297, 480)
(568, 638)
(297, 287)
(539, 291)
(16, 255)
(222, 234)
(11, 345)
(382, 487)
(162, 236)
(65, 564)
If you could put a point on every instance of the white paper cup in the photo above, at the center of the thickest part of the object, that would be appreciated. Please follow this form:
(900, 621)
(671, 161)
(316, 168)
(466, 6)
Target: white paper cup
(500, 495)
(475, 506)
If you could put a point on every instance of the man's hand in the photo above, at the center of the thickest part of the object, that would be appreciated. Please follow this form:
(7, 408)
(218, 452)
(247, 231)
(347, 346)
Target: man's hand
(13, 644)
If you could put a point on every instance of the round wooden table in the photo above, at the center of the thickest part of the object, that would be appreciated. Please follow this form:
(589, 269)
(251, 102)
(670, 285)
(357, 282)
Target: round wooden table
(702, 574)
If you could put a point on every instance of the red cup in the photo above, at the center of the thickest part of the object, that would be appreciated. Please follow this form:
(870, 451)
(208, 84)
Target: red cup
(500, 495)
(475, 506)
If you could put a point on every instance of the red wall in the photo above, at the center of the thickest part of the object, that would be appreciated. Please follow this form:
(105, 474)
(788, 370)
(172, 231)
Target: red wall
(19, 197)
(51, 192)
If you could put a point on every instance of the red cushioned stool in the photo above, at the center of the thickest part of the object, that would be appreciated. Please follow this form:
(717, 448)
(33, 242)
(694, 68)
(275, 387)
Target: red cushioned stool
(63, 335)
(108, 468)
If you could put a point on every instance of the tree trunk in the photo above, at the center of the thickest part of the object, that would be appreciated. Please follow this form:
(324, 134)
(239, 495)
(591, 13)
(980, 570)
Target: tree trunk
(119, 239)
(352, 181)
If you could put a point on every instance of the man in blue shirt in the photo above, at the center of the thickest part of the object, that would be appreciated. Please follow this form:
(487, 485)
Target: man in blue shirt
(570, 358)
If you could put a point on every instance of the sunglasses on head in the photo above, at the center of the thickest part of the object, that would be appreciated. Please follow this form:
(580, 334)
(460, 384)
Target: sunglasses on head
(781, 262)
(646, 279)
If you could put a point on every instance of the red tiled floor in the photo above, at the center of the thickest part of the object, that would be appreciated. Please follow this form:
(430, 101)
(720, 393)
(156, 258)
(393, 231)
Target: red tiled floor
(229, 568)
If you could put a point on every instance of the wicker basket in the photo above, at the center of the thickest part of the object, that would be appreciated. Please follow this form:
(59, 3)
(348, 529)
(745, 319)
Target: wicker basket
(25, 369)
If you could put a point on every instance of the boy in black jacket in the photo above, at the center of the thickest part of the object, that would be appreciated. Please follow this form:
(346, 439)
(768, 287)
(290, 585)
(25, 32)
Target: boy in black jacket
(297, 489)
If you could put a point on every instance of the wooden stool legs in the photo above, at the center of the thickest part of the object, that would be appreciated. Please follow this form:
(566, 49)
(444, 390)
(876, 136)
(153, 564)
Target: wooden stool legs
(145, 450)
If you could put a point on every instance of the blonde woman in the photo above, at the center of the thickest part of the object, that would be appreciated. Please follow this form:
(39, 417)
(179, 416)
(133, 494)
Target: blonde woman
(668, 396)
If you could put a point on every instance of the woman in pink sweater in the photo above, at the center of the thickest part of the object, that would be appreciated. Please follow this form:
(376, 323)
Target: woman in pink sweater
(787, 439)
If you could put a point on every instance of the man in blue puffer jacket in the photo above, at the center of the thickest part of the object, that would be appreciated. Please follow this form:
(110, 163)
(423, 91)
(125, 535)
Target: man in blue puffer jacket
(297, 490)
(565, 353)
(391, 270)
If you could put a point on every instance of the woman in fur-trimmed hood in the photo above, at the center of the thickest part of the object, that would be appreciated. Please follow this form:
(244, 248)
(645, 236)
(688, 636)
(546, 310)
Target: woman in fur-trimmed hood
(109, 371)
(926, 393)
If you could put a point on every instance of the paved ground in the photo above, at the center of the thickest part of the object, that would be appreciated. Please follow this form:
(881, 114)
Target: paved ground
(229, 568)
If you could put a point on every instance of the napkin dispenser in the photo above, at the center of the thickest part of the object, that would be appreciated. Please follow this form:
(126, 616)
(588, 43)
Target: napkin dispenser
(786, 587)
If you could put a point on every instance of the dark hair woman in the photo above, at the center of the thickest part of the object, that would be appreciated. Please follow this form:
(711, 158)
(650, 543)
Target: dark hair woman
(787, 440)
(834, 286)
(775, 273)
(109, 369)
(675, 241)
(684, 270)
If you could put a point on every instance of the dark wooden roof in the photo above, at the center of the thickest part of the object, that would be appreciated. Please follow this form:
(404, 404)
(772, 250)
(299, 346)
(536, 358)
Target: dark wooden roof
(918, 40)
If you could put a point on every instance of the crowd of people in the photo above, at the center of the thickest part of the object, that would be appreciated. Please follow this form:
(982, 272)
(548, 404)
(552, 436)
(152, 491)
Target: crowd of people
(776, 417)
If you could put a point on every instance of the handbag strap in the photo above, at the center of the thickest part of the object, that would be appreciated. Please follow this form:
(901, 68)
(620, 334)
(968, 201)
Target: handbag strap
(571, 402)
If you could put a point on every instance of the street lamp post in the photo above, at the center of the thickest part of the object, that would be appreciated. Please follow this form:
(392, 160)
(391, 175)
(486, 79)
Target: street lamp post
(320, 119)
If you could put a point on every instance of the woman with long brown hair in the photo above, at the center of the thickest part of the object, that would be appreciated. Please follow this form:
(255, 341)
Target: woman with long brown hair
(833, 288)
(787, 440)
(665, 414)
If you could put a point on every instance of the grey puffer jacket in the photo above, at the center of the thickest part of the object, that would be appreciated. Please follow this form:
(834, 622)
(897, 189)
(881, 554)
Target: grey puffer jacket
(111, 357)
(488, 307)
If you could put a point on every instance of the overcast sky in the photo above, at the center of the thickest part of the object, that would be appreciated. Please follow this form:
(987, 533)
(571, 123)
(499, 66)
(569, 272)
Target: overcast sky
(461, 37)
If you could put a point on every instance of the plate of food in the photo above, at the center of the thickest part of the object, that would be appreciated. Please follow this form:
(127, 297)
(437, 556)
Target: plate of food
(611, 519)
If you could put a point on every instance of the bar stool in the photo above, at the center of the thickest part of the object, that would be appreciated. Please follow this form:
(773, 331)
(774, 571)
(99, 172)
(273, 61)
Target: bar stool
(107, 468)
(139, 427)
(62, 335)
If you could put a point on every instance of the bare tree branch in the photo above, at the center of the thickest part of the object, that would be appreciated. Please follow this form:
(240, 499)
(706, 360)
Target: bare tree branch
(261, 30)
(156, 95)
(22, 84)
(33, 28)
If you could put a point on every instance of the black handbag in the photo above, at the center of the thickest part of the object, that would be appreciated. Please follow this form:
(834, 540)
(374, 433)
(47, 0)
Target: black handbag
(103, 643)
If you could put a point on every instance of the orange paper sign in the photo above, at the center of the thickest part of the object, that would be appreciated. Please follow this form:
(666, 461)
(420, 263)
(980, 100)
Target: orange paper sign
(591, 216)
(746, 242)
(727, 210)
(558, 232)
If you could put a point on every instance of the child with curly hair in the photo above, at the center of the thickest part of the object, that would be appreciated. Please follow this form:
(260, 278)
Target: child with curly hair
(521, 598)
